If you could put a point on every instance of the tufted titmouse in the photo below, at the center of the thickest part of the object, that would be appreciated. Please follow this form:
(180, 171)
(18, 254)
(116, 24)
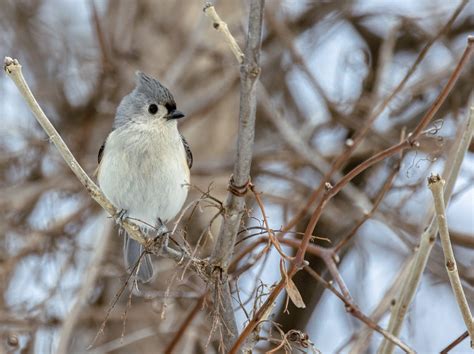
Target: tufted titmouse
(144, 164)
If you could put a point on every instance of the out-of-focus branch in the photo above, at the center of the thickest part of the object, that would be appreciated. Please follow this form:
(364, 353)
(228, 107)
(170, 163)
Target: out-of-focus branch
(428, 237)
(436, 183)
(362, 339)
(378, 199)
(358, 137)
(462, 239)
(186, 323)
(85, 290)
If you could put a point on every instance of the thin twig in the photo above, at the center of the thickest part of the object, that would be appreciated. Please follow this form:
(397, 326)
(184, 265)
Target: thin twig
(362, 339)
(271, 236)
(378, 199)
(436, 183)
(222, 27)
(455, 343)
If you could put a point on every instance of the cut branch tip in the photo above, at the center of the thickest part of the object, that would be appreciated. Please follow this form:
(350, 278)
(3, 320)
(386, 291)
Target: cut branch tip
(9, 64)
(434, 180)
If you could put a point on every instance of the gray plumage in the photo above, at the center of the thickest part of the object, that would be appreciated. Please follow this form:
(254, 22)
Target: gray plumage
(144, 164)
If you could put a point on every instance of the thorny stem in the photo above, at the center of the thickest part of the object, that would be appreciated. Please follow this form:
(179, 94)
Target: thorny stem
(331, 192)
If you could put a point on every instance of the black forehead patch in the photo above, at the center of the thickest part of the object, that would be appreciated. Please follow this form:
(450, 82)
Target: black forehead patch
(154, 89)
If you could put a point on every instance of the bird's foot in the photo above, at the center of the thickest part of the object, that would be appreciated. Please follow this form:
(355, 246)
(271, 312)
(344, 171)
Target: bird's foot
(162, 235)
(120, 216)
(160, 228)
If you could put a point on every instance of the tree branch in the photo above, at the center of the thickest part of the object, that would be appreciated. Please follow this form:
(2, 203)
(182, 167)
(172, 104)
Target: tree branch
(238, 186)
(249, 73)
(436, 183)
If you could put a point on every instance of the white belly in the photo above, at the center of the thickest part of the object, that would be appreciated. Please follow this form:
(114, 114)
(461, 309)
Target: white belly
(145, 173)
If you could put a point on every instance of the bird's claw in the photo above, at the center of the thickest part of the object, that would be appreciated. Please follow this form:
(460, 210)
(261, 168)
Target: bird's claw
(163, 233)
(121, 215)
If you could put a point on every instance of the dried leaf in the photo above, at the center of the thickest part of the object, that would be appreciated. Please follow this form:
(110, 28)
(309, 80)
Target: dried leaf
(294, 294)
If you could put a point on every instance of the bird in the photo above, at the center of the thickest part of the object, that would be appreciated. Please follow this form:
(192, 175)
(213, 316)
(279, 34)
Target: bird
(144, 166)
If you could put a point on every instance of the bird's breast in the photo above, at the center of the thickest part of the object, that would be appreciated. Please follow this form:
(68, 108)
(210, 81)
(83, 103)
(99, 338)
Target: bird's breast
(143, 173)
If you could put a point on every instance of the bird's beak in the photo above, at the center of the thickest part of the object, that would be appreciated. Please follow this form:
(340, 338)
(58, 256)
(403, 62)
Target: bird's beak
(175, 114)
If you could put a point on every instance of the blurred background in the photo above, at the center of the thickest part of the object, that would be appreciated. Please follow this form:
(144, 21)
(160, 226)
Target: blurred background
(325, 66)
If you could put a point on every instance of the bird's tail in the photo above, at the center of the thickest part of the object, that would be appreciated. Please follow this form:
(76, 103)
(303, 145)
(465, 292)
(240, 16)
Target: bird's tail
(132, 251)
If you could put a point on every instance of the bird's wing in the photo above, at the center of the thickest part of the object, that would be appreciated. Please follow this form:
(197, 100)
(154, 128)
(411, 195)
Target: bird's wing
(101, 152)
(187, 149)
(99, 159)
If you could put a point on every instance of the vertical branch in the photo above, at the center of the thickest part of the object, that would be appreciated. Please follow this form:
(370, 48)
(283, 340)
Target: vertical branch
(428, 238)
(436, 183)
(234, 205)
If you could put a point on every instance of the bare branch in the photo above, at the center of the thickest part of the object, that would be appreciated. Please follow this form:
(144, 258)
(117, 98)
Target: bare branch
(455, 342)
(234, 205)
(222, 27)
(248, 103)
(436, 183)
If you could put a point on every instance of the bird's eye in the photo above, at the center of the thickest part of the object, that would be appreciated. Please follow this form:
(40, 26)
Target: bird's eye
(153, 108)
(170, 107)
